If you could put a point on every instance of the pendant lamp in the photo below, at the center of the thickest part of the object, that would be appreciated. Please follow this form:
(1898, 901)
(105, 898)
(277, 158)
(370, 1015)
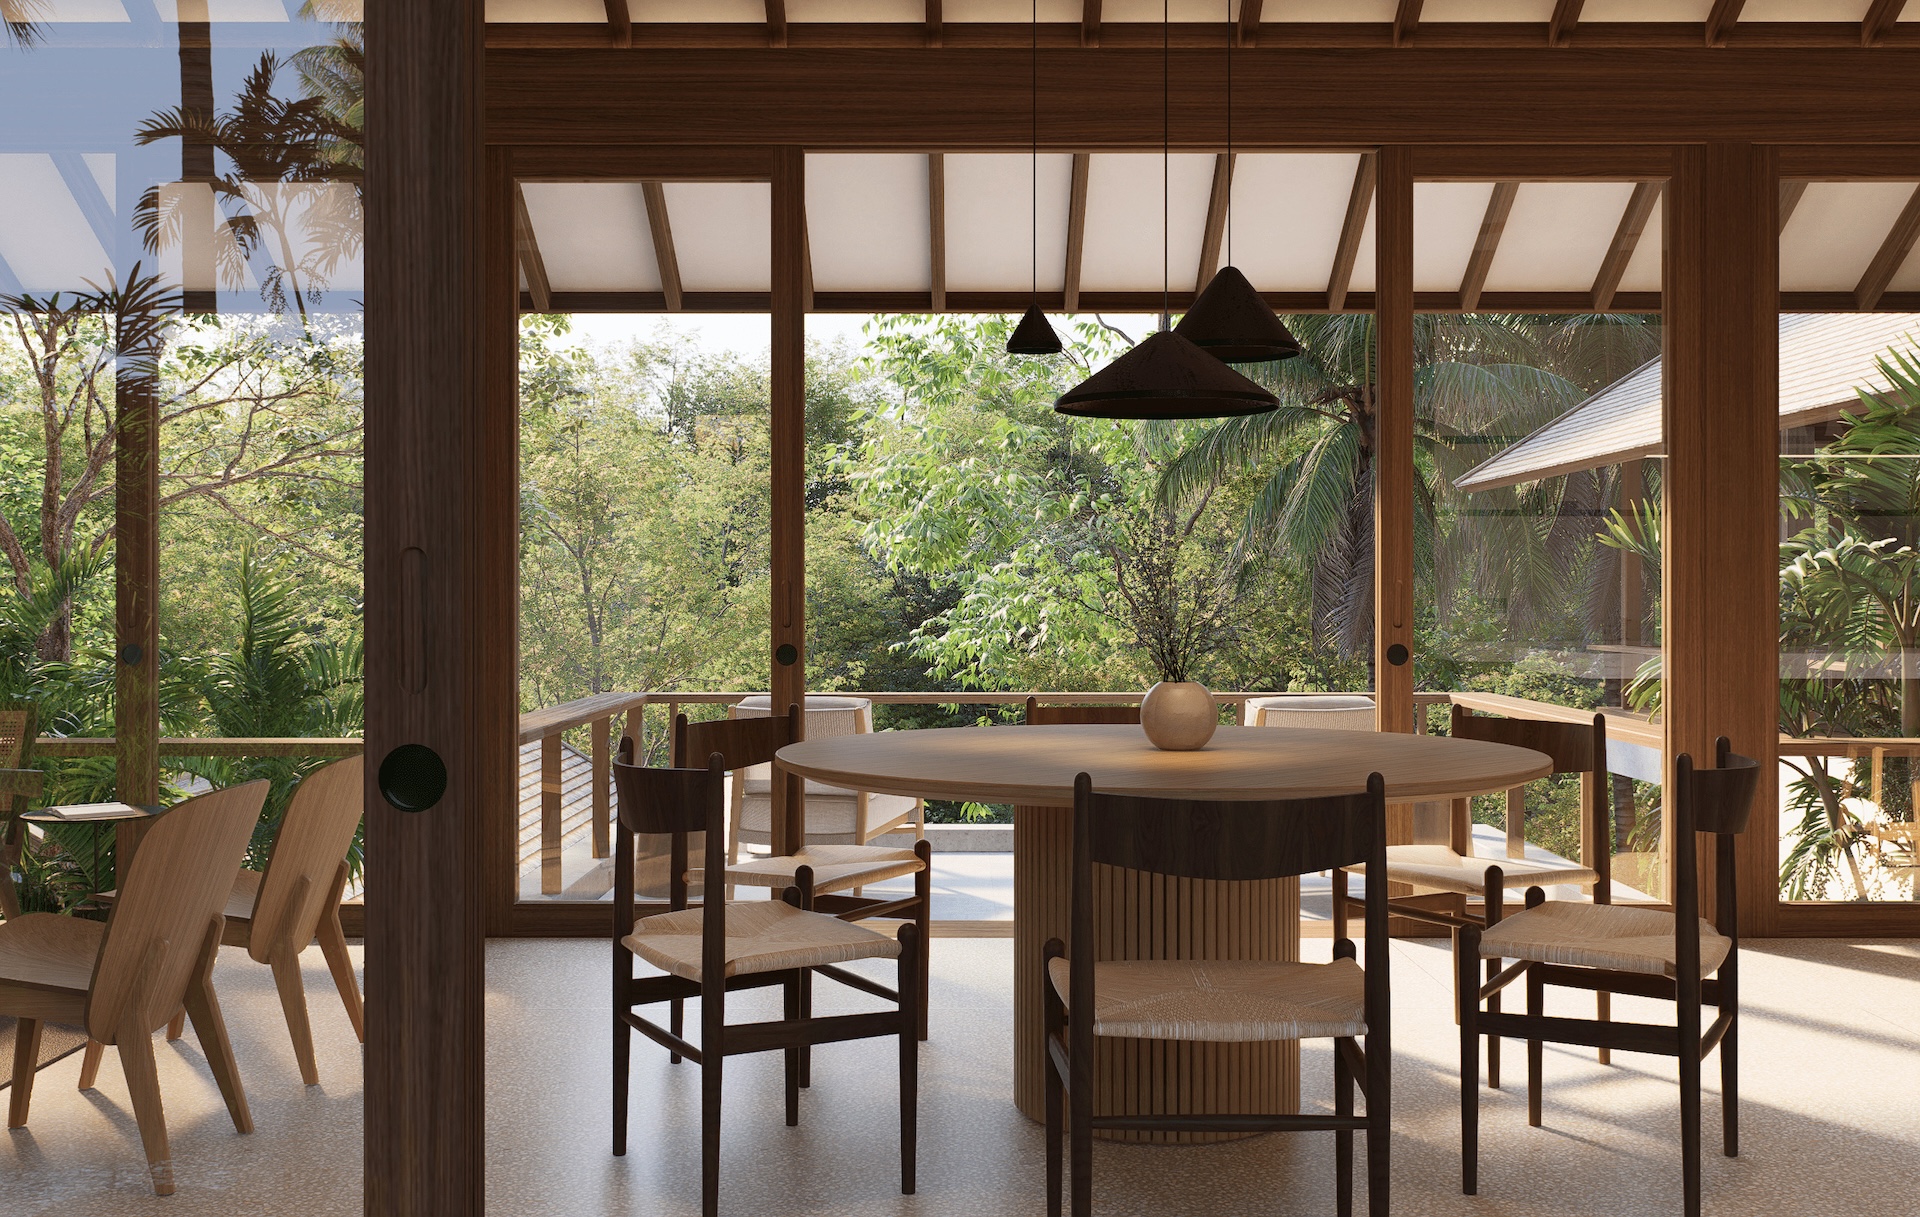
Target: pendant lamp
(1034, 335)
(1229, 320)
(1165, 375)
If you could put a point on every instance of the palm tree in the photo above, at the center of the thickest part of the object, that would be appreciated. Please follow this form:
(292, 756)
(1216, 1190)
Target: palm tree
(1477, 376)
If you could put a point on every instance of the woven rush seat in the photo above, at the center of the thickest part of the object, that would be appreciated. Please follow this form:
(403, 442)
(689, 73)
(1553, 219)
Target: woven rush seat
(1613, 936)
(1228, 1001)
(1439, 867)
(762, 936)
(835, 867)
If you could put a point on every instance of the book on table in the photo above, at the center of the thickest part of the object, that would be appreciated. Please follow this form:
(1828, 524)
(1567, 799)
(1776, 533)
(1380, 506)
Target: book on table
(96, 811)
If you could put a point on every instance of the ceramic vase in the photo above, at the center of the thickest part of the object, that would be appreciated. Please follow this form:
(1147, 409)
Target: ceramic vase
(1179, 716)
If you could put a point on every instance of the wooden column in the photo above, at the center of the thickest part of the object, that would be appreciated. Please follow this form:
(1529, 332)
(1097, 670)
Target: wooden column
(136, 579)
(441, 530)
(788, 633)
(1393, 449)
(1720, 492)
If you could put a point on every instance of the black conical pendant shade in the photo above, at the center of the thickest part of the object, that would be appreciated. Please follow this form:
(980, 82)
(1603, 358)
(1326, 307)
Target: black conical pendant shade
(1033, 336)
(1165, 376)
(1230, 322)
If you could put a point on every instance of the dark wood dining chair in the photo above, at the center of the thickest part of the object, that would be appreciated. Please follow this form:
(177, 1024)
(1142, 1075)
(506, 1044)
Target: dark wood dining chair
(122, 980)
(720, 948)
(1454, 869)
(1676, 956)
(823, 874)
(1233, 1001)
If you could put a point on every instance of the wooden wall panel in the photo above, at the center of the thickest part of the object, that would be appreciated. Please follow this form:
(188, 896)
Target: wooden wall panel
(441, 524)
(1721, 482)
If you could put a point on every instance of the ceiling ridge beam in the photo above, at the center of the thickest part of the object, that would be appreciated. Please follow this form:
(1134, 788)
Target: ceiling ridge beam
(1406, 19)
(777, 23)
(656, 196)
(620, 22)
(1492, 225)
(1790, 194)
(1359, 203)
(1076, 229)
(1247, 29)
(1217, 204)
(1090, 23)
(1626, 239)
(936, 30)
(1879, 21)
(1891, 256)
(528, 250)
(1566, 16)
(1721, 20)
(937, 228)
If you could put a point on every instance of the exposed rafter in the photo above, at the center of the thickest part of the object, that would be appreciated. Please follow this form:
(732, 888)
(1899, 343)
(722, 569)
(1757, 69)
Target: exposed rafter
(806, 265)
(936, 34)
(1626, 239)
(1790, 192)
(1090, 23)
(1879, 21)
(1076, 229)
(1216, 228)
(1249, 25)
(528, 253)
(620, 22)
(937, 227)
(1359, 203)
(1406, 19)
(1891, 257)
(776, 22)
(1566, 15)
(1492, 225)
(1721, 20)
(656, 197)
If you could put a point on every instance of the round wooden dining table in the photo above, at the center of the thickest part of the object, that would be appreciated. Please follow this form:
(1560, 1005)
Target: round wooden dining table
(1143, 916)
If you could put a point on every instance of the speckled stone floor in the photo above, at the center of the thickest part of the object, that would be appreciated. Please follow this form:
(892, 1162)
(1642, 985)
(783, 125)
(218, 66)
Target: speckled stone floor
(1832, 1091)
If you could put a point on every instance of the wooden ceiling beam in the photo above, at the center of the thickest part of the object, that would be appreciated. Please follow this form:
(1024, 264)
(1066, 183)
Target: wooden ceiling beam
(1492, 225)
(1216, 227)
(1566, 16)
(1090, 23)
(1790, 192)
(1248, 27)
(1626, 239)
(619, 22)
(776, 22)
(936, 33)
(527, 250)
(1879, 21)
(1359, 203)
(1406, 19)
(1721, 20)
(1891, 257)
(656, 196)
(1076, 229)
(937, 228)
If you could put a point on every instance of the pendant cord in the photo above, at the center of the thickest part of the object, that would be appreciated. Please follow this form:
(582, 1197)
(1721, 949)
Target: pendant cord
(1166, 166)
(1033, 172)
(1230, 42)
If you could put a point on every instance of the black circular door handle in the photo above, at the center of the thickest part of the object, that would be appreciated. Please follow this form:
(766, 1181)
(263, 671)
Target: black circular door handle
(413, 777)
(1397, 654)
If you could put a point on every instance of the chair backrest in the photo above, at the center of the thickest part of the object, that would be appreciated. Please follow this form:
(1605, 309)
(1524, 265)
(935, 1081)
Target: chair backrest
(1325, 713)
(16, 729)
(1054, 716)
(743, 741)
(677, 808)
(1573, 747)
(307, 855)
(827, 715)
(168, 911)
(1717, 801)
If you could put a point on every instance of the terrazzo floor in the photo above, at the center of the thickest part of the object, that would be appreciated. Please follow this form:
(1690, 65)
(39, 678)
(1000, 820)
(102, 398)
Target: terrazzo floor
(1831, 1055)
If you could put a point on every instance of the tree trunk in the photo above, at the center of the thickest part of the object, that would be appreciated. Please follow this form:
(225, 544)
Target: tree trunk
(1909, 688)
(56, 643)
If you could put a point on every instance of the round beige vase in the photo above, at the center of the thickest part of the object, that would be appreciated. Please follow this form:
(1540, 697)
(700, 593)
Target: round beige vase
(1179, 716)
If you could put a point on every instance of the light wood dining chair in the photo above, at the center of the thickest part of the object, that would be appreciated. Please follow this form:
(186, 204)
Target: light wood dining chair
(123, 979)
(721, 948)
(18, 784)
(1677, 956)
(1233, 1001)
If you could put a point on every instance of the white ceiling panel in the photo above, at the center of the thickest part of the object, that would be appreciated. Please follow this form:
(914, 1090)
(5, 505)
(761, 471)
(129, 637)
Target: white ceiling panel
(593, 236)
(59, 11)
(1327, 10)
(1805, 10)
(1010, 10)
(722, 235)
(867, 222)
(1835, 231)
(1125, 220)
(1557, 236)
(1363, 279)
(558, 11)
(1148, 11)
(1645, 10)
(1486, 10)
(855, 10)
(46, 240)
(724, 11)
(1446, 223)
(990, 221)
(1288, 210)
(226, 10)
(1643, 272)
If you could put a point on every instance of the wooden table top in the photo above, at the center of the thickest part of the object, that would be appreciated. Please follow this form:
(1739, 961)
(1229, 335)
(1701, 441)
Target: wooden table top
(1035, 766)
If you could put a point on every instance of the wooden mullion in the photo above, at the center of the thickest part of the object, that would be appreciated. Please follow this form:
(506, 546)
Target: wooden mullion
(1359, 203)
(1626, 239)
(664, 257)
(1890, 257)
(1076, 230)
(1492, 225)
(937, 229)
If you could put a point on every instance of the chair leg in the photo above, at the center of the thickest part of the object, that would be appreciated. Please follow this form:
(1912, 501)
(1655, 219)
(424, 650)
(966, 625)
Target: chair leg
(1493, 897)
(177, 1025)
(1536, 1007)
(790, 992)
(1339, 904)
(1379, 1090)
(293, 1003)
(1080, 1146)
(210, 1027)
(712, 1054)
(26, 1058)
(1342, 1138)
(333, 945)
(911, 1022)
(1467, 977)
(676, 1023)
(1493, 1041)
(1690, 1122)
(923, 919)
(90, 1063)
(1054, 1024)
(1730, 1089)
(143, 1085)
(622, 1064)
(1603, 1011)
